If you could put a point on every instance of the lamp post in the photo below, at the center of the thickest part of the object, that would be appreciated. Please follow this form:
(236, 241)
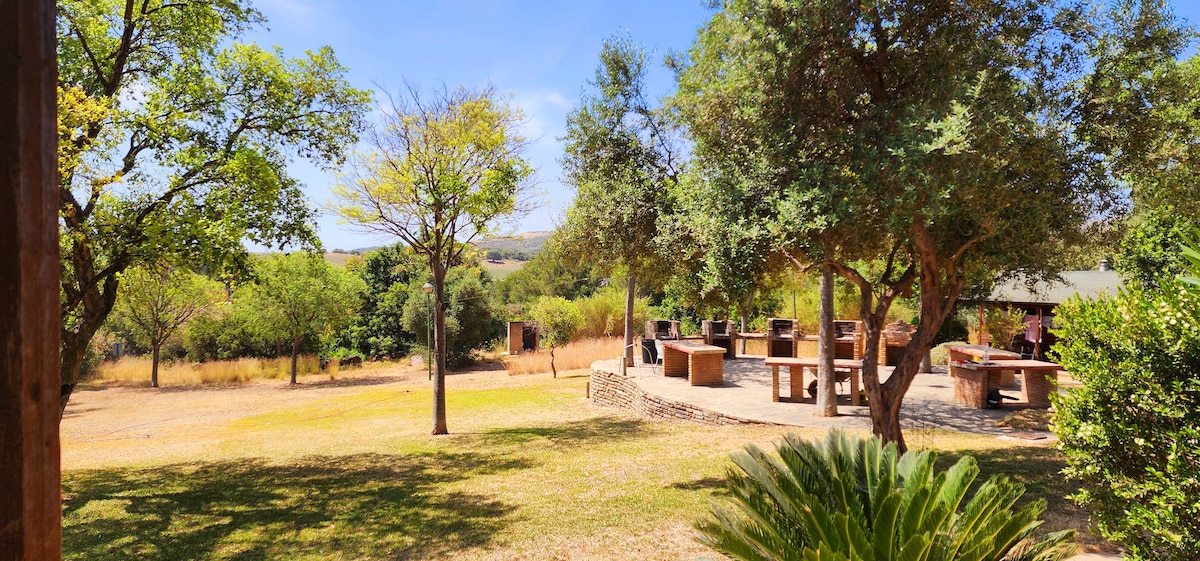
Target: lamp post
(428, 288)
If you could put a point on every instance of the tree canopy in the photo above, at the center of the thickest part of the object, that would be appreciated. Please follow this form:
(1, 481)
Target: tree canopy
(174, 140)
(620, 160)
(906, 146)
(439, 172)
(299, 295)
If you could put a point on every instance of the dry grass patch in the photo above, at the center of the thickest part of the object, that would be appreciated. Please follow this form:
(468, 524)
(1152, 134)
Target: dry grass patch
(575, 355)
(135, 371)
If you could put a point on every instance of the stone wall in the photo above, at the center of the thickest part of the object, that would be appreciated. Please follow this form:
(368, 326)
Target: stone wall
(611, 389)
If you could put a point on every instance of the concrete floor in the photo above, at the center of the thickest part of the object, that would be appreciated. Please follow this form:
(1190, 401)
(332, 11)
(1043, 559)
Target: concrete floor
(746, 395)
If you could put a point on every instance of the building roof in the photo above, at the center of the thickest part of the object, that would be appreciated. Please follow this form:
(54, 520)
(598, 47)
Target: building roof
(1087, 284)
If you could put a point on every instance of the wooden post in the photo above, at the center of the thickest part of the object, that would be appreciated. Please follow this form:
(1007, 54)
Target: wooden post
(30, 495)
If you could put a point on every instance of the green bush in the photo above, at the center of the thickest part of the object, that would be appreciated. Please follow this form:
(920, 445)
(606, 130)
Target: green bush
(473, 320)
(1131, 433)
(558, 319)
(849, 498)
(604, 313)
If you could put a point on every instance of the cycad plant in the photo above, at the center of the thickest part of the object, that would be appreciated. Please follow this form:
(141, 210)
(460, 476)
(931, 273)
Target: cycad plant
(853, 499)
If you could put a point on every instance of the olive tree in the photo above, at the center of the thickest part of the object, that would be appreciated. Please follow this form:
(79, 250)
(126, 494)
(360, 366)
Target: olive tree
(620, 160)
(438, 171)
(908, 147)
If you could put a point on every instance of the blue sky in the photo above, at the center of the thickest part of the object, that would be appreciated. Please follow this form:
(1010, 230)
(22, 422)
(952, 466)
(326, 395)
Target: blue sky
(542, 53)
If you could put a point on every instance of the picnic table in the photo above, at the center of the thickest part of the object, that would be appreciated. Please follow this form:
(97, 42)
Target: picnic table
(974, 353)
(797, 383)
(703, 365)
(973, 380)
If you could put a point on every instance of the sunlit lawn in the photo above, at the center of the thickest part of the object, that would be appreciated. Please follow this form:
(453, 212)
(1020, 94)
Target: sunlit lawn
(532, 471)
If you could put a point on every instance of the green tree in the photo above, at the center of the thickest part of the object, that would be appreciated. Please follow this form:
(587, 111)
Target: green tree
(557, 319)
(850, 498)
(173, 141)
(1131, 431)
(158, 300)
(620, 161)
(473, 319)
(549, 273)
(300, 294)
(908, 147)
(440, 172)
(378, 328)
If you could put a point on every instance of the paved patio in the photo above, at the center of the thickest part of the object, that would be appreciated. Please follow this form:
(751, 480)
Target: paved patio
(746, 396)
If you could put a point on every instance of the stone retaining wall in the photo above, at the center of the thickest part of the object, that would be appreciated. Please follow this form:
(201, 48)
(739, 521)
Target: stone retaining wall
(611, 389)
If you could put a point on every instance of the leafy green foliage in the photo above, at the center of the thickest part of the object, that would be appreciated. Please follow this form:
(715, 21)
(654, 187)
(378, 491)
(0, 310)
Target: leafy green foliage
(1132, 431)
(604, 312)
(549, 273)
(557, 318)
(300, 294)
(378, 328)
(1149, 251)
(173, 144)
(439, 172)
(848, 498)
(911, 147)
(473, 319)
(157, 301)
(620, 161)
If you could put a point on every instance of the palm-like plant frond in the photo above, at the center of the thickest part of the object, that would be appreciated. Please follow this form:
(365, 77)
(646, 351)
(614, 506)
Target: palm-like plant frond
(853, 499)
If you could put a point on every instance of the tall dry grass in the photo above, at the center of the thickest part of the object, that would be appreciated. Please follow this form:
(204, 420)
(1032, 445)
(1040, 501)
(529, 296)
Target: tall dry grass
(132, 370)
(573, 356)
(604, 313)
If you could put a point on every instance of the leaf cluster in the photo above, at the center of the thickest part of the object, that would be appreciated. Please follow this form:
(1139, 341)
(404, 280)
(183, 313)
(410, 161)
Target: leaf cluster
(1131, 432)
(849, 498)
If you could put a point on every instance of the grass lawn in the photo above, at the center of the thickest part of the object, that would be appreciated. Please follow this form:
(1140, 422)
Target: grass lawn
(347, 470)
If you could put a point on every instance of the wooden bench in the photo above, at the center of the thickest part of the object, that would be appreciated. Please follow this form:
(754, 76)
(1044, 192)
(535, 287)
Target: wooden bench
(973, 381)
(804, 362)
(703, 365)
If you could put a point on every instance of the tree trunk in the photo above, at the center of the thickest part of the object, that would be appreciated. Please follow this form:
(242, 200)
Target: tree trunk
(745, 322)
(295, 354)
(826, 378)
(630, 294)
(154, 365)
(439, 348)
(93, 310)
(553, 371)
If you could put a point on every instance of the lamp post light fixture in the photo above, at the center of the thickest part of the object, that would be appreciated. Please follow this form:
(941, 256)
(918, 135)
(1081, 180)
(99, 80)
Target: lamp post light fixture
(428, 288)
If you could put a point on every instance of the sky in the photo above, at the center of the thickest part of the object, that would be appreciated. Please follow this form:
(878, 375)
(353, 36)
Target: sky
(542, 53)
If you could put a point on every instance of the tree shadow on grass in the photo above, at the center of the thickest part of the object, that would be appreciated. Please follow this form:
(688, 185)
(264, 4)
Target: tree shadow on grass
(366, 506)
(1039, 469)
(567, 434)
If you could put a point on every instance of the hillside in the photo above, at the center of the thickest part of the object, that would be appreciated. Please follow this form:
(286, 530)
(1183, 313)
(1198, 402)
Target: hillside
(528, 243)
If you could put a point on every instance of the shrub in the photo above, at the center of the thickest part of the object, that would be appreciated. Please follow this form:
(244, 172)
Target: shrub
(849, 498)
(1131, 433)
(604, 313)
(558, 319)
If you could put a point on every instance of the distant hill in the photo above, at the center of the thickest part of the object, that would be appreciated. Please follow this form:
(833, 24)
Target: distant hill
(529, 242)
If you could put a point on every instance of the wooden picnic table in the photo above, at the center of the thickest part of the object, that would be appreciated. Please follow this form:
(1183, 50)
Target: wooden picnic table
(797, 383)
(973, 380)
(703, 365)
